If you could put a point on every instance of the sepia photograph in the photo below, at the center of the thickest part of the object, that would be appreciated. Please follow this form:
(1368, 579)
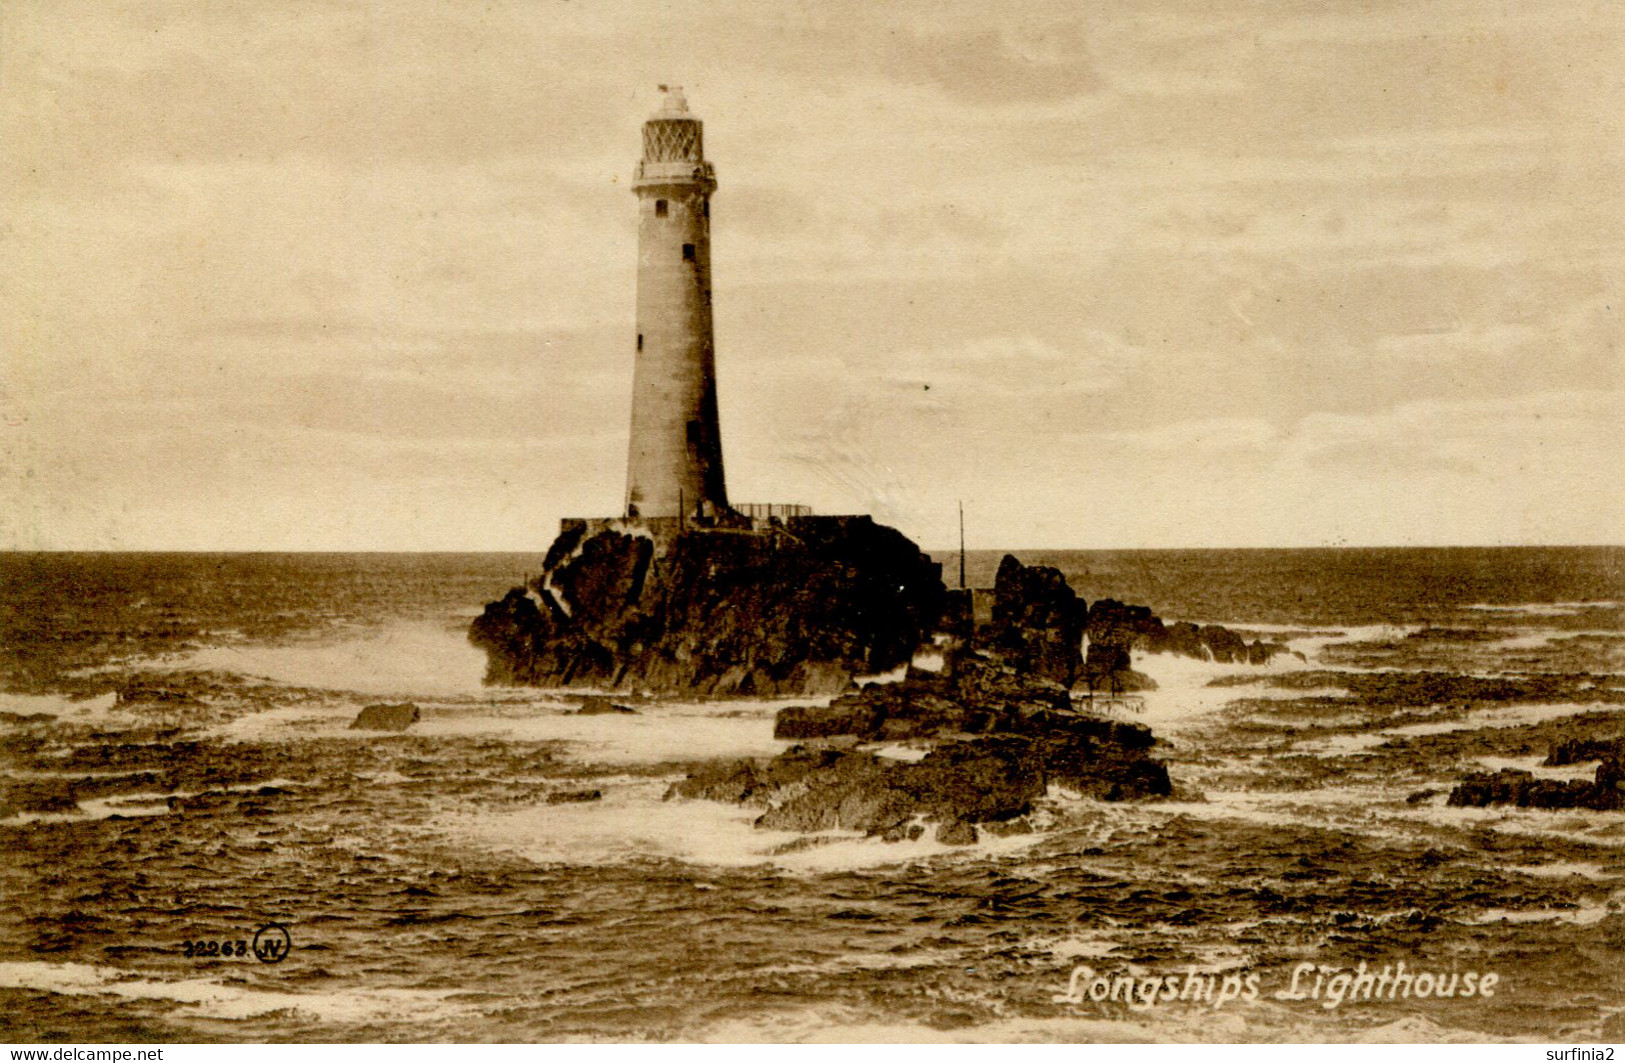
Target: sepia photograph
(648, 521)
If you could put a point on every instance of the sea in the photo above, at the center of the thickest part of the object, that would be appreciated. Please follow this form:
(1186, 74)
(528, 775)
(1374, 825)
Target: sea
(196, 846)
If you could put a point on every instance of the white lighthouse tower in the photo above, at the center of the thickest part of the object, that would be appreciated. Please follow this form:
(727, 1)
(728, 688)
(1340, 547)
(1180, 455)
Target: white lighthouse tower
(674, 465)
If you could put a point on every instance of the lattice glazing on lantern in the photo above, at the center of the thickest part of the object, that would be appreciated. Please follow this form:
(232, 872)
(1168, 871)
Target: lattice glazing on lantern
(672, 140)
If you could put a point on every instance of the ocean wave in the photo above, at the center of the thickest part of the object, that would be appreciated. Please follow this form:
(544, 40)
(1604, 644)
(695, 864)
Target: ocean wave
(204, 997)
(632, 822)
(1500, 716)
(400, 659)
(1263, 1022)
(64, 708)
(1544, 608)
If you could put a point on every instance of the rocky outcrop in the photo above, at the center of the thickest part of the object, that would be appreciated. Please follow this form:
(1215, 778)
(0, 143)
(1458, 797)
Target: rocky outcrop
(993, 740)
(1580, 750)
(799, 608)
(977, 698)
(383, 717)
(1038, 621)
(1112, 623)
(1107, 667)
(1513, 786)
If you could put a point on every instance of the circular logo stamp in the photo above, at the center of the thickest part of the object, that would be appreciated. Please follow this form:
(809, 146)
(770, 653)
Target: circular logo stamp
(272, 943)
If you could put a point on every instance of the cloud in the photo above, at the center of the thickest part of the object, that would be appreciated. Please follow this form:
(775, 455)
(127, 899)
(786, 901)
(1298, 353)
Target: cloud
(1199, 439)
(1165, 274)
(985, 66)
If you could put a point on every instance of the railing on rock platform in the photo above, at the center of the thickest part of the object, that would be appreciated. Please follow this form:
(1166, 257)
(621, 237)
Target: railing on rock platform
(771, 510)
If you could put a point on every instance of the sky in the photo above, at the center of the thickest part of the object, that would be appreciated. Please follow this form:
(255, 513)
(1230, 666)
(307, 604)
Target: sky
(333, 275)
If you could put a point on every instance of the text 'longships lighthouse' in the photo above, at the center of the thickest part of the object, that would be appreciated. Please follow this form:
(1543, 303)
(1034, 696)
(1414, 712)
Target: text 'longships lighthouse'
(674, 467)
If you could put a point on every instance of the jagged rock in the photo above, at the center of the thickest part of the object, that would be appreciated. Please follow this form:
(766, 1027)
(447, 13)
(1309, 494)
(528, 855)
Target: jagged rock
(752, 782)
(383, 717)
(797, 610)
(975, 697)
(570, 797)
(850, 791)
(979, 682)
(1513, 786)
(1132, 682)
(597, 706)
(998, 739)
(1112, 623)
(1038, 621)
(846, 715)
(1580, 750)
(956, 832)
(858, 791)
(732, 782)
(1106, 666)
(1610, 780)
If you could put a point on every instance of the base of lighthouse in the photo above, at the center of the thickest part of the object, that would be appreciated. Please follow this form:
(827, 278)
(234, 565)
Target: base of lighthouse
(787, 606)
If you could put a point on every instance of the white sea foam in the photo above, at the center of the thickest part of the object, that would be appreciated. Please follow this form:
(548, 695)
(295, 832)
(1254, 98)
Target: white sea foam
(1515, 715)
(1329, 806)
(1541, 638)
(1312, 647)
(1083, 948)
(1524, 641)
(1545, 608)
(896, 675)
(1563, 869)
(1534, 766)
(1582, 915)
(1184, 696)
(633, 822)
(208, 998)
(403, 659)
(1583, 827)
(929, 661)
(68, 710)
(629, 822)
(1263, 1022)
(128, 805)
(665, 732)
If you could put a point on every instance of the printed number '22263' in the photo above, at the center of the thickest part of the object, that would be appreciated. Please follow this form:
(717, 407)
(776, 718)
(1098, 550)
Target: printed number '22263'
(224, 949)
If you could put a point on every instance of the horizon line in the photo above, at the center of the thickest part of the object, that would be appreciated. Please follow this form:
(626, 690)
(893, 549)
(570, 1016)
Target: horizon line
(951, 550)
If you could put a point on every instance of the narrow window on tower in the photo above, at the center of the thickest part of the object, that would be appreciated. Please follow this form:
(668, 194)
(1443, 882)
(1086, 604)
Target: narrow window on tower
(693, 433)
(688, 252)
(707, 208)
(640, 341)
(660, 208)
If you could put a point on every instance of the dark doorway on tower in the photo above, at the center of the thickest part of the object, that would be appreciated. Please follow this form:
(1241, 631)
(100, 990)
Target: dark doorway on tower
(688, 252)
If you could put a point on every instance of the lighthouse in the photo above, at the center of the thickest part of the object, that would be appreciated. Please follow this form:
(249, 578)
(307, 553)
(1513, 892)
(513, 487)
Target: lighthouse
(674, 463)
